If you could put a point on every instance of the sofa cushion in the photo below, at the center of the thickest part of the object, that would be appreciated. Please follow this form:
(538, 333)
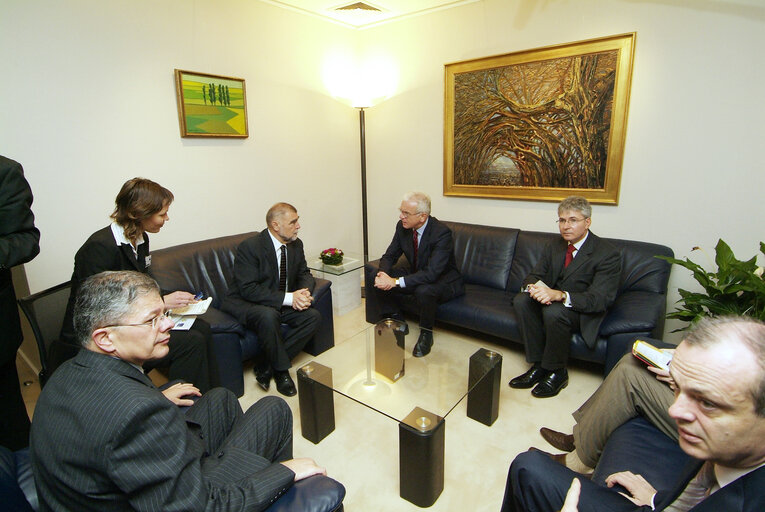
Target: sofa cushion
(528, 251)
(481, 308)
(483, 254)
(204, 266)
(641, 269)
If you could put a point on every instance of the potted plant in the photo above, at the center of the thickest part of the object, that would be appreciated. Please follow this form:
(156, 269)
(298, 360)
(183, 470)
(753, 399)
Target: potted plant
(735, 288)
(331, 256)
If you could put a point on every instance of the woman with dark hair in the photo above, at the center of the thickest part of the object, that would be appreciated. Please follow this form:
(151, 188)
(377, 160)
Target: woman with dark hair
(140, 208)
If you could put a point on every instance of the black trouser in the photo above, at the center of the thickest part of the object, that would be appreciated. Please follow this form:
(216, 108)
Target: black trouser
(14, 422)
(267, 322)
(545, 330)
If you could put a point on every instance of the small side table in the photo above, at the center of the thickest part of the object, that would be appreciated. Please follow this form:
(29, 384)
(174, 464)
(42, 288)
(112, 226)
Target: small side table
(346, 281)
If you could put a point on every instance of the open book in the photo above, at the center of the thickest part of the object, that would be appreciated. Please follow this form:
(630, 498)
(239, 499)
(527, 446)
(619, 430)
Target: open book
(184, 317)
(651, 355)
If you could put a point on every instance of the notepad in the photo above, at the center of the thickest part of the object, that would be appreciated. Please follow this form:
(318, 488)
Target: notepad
(196, 308)
(651, 355)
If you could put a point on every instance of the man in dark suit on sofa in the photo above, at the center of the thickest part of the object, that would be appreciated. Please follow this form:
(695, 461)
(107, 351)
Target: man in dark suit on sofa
(569, 290)
(719, 409)
(272, 286)
(432, 275)
(104, 438)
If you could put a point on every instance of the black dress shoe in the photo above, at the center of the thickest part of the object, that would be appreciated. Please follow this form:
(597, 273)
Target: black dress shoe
(424, 342)
(528, 379)
(552, 384)
(263, 378)
(284, 384)
(559, 440)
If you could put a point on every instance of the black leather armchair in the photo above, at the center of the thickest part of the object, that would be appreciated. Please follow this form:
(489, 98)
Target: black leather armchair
(495, 260)
(18, 493)
(207, 266)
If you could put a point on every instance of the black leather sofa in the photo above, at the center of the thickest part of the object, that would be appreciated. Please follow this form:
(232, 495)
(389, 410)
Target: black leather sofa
(18, 494)
(495, 260)
(207, 266)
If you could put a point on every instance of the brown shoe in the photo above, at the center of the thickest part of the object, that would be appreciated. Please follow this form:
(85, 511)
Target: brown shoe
(559, 440)
(560, 458)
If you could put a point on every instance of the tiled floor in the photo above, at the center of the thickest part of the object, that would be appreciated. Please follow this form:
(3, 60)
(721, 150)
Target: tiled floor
(362, 452)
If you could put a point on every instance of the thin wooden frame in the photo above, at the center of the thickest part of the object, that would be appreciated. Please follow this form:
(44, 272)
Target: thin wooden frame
(211, 105)
(539, 124)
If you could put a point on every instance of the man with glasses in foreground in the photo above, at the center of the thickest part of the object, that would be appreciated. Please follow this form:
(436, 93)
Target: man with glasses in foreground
(431, 275)
(569, 290)
(104, 438)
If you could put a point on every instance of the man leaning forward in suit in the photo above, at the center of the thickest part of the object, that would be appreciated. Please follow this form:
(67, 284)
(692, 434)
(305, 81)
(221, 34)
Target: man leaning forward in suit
(719, 409)
(431, 276)
(569, 290)
(273, 286)
(104, 438)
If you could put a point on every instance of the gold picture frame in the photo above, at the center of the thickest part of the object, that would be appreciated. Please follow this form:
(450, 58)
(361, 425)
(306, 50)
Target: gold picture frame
(539, 124)
(211, 105)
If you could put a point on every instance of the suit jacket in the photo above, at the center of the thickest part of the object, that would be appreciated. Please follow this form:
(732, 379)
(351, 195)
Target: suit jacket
(100, 253)
(435, 256)
(19, 243)
(256, 272)
(591, 279)
(746, 494)
(104, 438)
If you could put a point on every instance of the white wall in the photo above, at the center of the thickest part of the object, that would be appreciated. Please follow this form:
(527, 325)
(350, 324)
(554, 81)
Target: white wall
(87, 101)
(87, 98)
(693, 167)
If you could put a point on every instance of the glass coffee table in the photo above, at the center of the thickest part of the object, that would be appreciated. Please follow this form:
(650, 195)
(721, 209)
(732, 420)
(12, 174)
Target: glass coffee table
(375, 368)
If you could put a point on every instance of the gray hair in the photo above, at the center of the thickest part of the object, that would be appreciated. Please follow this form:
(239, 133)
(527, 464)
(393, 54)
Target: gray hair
(104, 299)
(576, 203)
(710, 331)
(278, 210)
(422, 200)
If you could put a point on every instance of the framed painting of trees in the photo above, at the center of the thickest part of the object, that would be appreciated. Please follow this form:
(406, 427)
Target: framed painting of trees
(539, 124)
(211, 105)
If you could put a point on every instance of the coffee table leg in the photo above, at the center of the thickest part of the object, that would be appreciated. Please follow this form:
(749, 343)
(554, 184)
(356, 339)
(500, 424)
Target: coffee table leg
(484, 377)
(316, 401)
(421, 457)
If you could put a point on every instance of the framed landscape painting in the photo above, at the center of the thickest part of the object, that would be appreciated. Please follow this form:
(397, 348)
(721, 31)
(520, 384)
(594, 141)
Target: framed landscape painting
(539, 124)
(211, 105)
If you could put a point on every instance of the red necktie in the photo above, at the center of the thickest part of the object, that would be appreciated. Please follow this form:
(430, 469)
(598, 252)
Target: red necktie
(414, 241)
(569, 255)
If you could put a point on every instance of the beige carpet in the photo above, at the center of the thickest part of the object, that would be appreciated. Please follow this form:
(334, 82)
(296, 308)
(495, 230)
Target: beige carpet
(362, 452)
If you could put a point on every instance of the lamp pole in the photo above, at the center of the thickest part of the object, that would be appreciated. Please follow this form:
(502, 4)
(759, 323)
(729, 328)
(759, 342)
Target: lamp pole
(362, 140)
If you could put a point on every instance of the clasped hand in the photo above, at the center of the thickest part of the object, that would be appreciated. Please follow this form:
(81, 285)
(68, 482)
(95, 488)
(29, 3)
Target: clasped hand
(545, 295)
(384, 282)
(301, 299)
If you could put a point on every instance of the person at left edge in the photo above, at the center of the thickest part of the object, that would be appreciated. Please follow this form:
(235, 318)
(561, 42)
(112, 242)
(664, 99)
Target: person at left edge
(141, 207)
(19, 243)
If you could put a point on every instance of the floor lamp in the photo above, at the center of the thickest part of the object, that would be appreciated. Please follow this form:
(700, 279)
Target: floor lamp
(362, 141)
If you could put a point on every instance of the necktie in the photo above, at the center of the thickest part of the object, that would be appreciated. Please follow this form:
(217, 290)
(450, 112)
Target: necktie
(569, 255)
(414, 242)
(697, 489)
(283, 269)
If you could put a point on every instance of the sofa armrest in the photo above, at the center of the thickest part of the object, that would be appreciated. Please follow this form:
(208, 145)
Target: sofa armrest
(314, 494)
(221, 322)
(635, 311)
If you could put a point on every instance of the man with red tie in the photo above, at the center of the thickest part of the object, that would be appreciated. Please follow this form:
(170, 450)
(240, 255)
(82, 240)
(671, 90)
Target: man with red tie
(431, 275)
(569, 290)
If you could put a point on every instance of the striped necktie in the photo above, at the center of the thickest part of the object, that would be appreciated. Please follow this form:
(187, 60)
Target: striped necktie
(283, 269)
(414, 241)
(569, 255)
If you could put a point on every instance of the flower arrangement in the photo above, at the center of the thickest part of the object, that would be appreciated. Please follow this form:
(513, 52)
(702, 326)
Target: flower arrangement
(331, 256)
(737, 288)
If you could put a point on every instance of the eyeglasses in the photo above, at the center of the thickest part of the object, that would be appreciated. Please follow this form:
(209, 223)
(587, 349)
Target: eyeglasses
(148, 323)
(407, 214)
(571, 222)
